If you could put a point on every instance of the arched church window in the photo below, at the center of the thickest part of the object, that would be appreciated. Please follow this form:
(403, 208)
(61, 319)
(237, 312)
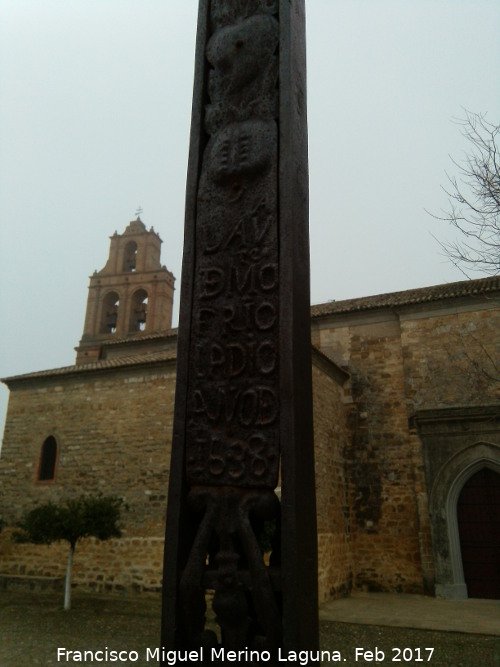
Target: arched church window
(130, 257)
(139, 311)
(110, 312)
(47, 461)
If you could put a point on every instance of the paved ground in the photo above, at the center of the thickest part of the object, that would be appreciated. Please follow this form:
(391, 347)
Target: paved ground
(361, 630)
(416, 611)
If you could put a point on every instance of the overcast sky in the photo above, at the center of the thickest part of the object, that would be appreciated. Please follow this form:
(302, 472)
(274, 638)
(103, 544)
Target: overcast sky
(95, 103)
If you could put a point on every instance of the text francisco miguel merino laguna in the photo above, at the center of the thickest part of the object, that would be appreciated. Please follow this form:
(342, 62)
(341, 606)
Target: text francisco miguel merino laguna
(216, 655)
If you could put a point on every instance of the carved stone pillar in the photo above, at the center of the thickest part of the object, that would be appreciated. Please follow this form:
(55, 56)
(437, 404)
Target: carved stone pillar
(243, 410)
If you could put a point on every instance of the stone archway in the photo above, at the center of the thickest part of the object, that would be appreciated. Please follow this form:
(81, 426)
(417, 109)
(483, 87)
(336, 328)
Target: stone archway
(457, 442)
(445, 493)
(478, 519)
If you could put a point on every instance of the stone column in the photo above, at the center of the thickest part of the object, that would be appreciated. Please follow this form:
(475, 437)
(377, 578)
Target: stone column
(243, 411)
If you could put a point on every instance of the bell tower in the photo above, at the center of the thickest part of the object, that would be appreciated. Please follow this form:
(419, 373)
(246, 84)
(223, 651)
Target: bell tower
(131, 296)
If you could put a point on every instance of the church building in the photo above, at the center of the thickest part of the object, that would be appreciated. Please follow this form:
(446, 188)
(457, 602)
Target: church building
(406, 396)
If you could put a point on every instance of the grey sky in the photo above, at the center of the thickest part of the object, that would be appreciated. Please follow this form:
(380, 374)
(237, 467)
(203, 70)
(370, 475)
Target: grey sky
(95, 99)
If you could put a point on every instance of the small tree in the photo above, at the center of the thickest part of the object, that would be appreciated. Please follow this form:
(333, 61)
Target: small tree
(474, 199)
(87, 516)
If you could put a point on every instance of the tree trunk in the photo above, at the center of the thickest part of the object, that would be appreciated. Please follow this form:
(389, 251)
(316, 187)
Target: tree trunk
(67, 584)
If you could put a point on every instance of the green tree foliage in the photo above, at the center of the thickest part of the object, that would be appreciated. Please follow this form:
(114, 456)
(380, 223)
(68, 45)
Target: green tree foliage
(86, 516)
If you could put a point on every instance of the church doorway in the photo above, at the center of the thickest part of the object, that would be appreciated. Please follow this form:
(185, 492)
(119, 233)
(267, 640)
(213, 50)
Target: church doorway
(478, 517)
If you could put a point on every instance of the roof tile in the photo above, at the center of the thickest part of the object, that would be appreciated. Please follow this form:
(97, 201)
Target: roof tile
(409, 297)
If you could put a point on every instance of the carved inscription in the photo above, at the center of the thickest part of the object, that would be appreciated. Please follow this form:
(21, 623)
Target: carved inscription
(233, 397)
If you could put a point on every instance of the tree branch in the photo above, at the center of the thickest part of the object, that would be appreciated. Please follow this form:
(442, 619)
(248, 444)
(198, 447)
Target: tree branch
(474, 198)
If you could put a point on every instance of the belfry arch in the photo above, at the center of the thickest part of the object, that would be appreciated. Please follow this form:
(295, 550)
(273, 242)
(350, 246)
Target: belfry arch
(109, 313)
(139, 311)
(130, 257)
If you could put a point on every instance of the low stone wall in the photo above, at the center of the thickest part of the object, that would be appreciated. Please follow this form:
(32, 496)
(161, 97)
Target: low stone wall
(335, 577)
(36, 584)
(135, 565)
(125, 565)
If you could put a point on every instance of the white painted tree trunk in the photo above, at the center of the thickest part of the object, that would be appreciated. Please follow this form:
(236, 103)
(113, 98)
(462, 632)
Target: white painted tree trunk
(67, 584)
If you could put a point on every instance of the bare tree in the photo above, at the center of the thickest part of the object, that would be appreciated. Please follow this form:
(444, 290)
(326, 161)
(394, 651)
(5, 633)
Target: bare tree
(474, 199)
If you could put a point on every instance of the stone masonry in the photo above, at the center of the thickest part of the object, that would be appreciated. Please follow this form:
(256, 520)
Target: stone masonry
(387, 372)
(406, 352)
(113, 423)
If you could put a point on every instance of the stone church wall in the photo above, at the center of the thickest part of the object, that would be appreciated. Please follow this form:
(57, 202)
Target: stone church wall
(380, 458)
(331, 437)
(381, 466)
(124, 565)
(451, 365)
(452, 356)
(113, 430)
(402, 360)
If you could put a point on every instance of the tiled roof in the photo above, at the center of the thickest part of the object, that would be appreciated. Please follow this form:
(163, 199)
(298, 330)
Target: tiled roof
(105, 364)
(462, 288)
(140, 338)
